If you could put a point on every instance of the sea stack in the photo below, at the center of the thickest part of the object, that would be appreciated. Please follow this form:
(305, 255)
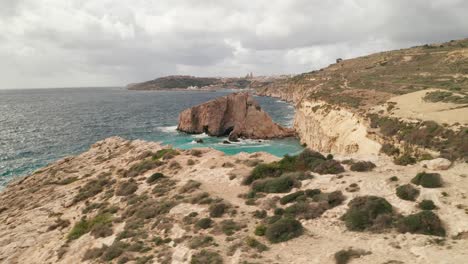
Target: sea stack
(236, 115)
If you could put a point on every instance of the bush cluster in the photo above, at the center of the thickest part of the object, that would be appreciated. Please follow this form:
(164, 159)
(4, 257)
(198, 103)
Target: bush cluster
(362, 166)
(427, 205)
(427, 180)
(281, 184)
(425, 222)
(283, 229)
(407, 192)
(367, 213)
(308, 160)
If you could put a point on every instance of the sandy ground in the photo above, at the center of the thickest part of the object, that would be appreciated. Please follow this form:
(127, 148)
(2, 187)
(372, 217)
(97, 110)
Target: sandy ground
(32, 205)
(412, 106)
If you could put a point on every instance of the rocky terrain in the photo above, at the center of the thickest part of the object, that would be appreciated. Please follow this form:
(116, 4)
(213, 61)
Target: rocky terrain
(236, 115)
(140, 202)
(412, 101)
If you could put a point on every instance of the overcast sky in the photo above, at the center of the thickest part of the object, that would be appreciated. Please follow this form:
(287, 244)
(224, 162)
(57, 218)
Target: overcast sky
(63, 43)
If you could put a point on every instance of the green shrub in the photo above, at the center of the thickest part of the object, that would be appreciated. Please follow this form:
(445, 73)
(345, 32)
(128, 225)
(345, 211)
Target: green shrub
(332, 199)
(92, 188)
(344, 256)
(306, 210)
(204, 223)
(405, 159)
(425, 222)
(200, 241)
(307, 160)
(126, 188)
(278, 211)
(283, 230)
(407, 192)
(260, 230)
(142, 167)
(364, 212)
(217, 210)
(229, 227)
(362, 166)
(291, 197)
(393, 178)
(329, 167)
(254, 243)
(281, 184)
(428, 180)
(206, 257)
(262, 171)
(190, 186)
(312, 192)
(165, 154)
(84, 226)
(260, 214)
(427, 205)
(154, 177)
(114, 250)
(390, 150)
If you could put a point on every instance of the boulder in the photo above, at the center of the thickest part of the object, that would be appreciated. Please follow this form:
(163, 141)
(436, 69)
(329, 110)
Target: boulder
(437, 164)
(236, 115)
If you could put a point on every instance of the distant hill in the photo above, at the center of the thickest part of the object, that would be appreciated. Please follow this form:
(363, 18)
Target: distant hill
(184, 82)
(370, 80)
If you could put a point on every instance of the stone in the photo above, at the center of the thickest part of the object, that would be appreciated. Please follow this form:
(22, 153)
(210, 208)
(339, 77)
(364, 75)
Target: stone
(437, 164)
(199, 141)
(236, 115)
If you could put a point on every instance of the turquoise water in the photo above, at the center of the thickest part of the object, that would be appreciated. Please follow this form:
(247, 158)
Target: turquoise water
(40, 126)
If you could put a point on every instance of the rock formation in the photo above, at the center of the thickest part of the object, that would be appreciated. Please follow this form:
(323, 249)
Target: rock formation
(236, 115)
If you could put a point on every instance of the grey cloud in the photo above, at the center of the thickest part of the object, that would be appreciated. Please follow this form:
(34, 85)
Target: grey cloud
(87, 42)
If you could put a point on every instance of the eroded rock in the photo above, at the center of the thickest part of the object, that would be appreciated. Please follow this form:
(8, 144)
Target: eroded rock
(237, 115)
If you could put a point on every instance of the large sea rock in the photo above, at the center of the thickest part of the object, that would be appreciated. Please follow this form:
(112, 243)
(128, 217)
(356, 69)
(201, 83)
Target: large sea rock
(236, 115)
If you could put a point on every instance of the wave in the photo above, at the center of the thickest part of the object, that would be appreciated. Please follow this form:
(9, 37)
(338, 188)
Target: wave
(203, 135)
(168, 129)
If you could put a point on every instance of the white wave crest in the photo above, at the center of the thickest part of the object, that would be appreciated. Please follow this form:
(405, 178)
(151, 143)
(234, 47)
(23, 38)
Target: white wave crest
(168, 129)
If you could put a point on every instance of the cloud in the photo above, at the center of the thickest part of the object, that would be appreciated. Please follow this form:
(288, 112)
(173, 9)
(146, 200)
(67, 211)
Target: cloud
(56, 43)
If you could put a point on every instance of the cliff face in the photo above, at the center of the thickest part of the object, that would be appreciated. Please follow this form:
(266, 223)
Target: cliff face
(236, 115)
(334, 130)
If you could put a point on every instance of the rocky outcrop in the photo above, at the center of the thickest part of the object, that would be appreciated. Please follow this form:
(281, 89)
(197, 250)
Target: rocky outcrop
(237, 115)
(437, 164)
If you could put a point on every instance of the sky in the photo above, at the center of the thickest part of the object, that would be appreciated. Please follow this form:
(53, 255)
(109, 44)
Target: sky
(80, 43)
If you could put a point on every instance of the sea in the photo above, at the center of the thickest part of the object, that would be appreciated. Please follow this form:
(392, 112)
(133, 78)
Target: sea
(39, 126)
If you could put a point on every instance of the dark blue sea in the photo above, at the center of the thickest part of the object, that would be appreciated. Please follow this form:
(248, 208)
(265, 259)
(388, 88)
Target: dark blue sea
(39, 126)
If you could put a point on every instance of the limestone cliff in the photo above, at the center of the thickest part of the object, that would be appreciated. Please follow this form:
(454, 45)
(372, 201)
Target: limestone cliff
(333, 129)
(236, 115)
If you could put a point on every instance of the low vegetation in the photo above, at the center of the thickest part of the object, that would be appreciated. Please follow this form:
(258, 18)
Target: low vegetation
(100, 226)
(427, 205)
(92, 188)
(407, 192)
(452, 144)
(142, 167)
(283, 229)
(206, 256)
(281, 184)
(368, 213)
(425, 222)
(346, 255)
(427, 180)
(446, 97)
(362, 166)
(308, 160)
(126, 188)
